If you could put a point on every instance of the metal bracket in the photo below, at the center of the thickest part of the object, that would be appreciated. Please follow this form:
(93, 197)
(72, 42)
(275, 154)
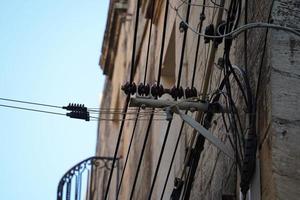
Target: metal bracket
(204, 132)
(159, 103)
(175, 107)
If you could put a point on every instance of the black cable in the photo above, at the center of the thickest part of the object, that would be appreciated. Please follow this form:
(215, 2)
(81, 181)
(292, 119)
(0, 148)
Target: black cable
(263, 56)
(159, 160)
(127, 156)
(186, 185)
(29, 102)
(228, 69)
(216, 4)
(92, 117)
(199, 146)
(251, 142)
(34, 110)
(149, 42)
(183, 46)
(233, 121)
(127, 99)
(134, 40)
(141, 156)
(246, 38)
(163, 42)
(170, 122)
(202, 18)
(117, 146)
(135, 123)
(200, 140)
(151, 117)
(172, 160)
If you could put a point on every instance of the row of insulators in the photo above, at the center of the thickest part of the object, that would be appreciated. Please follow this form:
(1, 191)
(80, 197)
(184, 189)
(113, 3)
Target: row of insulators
(158, 90)
(78, 111)
(75, 107)
(79, 115)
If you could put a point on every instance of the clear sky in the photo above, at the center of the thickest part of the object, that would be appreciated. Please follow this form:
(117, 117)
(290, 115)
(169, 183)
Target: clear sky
(49, 52)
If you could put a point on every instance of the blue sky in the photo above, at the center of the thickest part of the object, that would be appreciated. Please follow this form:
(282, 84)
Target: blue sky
(49, 53)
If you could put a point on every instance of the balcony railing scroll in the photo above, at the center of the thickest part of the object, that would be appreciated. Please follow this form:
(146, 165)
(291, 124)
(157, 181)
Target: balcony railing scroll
(78, 182)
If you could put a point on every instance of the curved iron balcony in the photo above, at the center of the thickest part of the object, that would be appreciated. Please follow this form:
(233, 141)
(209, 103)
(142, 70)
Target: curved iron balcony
(82, 175)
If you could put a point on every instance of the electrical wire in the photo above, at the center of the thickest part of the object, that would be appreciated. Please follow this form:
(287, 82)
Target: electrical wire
(127, 99)
(216, 4)
(202, 18)
(262, 57)
(246, 38)
(170, 122)
(29, 102)
(158, 83)
(199, 146)
(203, 5)
(30, 109)
(136, 121)
(234, 33)
(140, 117)
(92, 110)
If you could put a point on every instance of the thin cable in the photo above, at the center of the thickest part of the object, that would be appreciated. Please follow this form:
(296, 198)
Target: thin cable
(141, 156)
(262, 58)
(29, 102)
(183, 47)
(170, 122)
(203, 5)
(199, 144)
(163, 42)
(158, 82)
(172, 160)
(149, 42)
(117, 146)
(202, 18)
(127, 156)
(216, 4)
(112, 110)
(241, 29)
(134, 40)
(245, 38)
(92, 117)
(126, 101)
(135, 123)
(30, 109)
(159, 160)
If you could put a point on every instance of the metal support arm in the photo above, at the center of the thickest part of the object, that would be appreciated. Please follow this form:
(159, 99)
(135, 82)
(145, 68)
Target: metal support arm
(176, 106)
(158, 103)
(203, 131)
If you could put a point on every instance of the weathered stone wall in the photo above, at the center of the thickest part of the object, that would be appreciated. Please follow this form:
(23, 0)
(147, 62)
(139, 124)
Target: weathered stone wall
(278, 100)
(283, 137)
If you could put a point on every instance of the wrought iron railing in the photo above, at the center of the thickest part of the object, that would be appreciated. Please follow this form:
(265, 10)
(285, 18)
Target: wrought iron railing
(77, 182)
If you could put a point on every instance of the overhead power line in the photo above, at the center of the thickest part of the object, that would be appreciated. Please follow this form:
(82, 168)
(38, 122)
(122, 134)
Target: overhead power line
(30, 109)
(137, 14)
(142, 116)
(29, 102)
(240, 29)
(158, 83)
(137, 116)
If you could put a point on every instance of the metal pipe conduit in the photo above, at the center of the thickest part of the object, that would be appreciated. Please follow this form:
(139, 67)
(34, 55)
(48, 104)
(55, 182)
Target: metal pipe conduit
(158, 103)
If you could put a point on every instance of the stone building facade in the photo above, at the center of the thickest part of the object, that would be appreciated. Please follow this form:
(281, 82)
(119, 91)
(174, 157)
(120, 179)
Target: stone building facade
(272, 62)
